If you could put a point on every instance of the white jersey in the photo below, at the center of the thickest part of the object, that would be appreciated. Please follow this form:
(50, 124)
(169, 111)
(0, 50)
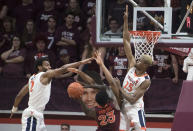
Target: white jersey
(132, 82)
(39, 94)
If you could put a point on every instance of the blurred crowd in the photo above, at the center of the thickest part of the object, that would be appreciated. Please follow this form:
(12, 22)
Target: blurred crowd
(60, 30)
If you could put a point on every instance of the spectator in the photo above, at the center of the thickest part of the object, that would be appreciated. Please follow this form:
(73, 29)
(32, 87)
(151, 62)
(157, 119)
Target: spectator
(28, 34)
(67, 37)
(85, 35)
(116, 10)
(88, 6)
(64, 58)
(181, 74)
(50, 33)
(79, 17)
(14, 59)
(89, 50)
(61, 5)
(114, 29)
(8, 28)
(3, 13)
(3, 10)
(118, 65)
(142, 20)
(43, 15)
(65, 127)
(22, 13)
(38, 51)
(188, 65)
(4, 45)
(165, 65)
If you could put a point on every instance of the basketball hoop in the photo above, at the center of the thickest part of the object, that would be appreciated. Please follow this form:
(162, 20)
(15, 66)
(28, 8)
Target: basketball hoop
(144, 42)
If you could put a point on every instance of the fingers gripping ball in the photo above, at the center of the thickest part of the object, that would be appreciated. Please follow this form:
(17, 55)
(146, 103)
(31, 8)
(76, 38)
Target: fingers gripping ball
(75, 90)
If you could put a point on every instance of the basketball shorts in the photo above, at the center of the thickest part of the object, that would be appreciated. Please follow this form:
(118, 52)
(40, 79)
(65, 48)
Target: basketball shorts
(136, 115)
(32, 121)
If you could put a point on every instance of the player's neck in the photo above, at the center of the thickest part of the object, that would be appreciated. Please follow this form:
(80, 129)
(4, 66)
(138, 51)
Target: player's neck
(140, 72)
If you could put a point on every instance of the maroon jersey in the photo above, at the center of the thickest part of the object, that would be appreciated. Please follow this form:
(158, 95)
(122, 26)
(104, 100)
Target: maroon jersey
(22, 14)
(108, 118)
(119, 66)
(163, 60)
(42, 18)
(51, 41)
(15, 69)
(70, 34)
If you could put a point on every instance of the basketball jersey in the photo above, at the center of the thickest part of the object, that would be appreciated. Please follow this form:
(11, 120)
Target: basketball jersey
(39, 94)
(132, 82)
(108, 118)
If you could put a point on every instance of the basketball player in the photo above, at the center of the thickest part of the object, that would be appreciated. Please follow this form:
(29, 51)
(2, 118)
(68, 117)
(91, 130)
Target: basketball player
(106, 114)
(136, 82)
(96, 103)
(39, 87)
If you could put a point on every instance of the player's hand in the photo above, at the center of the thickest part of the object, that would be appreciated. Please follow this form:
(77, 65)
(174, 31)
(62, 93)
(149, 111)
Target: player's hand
(98, 58)
(175, 80)
(126, 13)
(13, 110)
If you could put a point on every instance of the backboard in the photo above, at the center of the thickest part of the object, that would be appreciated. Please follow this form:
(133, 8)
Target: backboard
(164, 17)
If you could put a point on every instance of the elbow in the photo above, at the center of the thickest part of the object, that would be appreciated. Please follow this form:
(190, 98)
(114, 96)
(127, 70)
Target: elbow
(3, 57)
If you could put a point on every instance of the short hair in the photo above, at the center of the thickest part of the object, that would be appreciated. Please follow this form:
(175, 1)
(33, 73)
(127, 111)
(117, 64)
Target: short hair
(102, 98)
(69, 13)
(113, 19)
(39, 62)
(65, 124)
(52, 17)
(40, 37)
(147, 59)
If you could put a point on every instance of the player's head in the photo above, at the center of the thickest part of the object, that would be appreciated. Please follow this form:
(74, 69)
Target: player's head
(88, 97)
(65, 127)
(42, 64)
(102, 98)
(69, 18)
(144, 62)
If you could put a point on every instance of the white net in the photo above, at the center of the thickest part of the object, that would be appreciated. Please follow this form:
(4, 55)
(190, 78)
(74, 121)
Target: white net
(144, 42)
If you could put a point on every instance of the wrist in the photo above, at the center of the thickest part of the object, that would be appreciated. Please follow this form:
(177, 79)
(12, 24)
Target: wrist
(14, 109)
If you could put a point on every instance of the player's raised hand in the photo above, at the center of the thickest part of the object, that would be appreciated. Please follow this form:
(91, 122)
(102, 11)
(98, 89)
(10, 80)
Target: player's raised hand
(98, 58)
(126, 13)
(13, 110)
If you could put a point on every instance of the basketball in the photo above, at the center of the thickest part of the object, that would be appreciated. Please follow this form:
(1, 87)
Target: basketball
(75, 90)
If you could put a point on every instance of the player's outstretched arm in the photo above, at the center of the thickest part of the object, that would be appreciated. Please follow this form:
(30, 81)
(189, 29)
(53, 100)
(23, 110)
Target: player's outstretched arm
(18, 99)
(83, 75)
(132, 98)
(126, 40)
(47, 76)
(108, 75)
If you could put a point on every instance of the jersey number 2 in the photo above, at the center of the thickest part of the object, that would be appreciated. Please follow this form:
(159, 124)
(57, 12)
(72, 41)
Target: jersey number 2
(32, 85)
(108, 118)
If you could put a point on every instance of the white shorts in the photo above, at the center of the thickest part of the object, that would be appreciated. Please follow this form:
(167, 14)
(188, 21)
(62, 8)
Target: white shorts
(32, 121)
(135, 115)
